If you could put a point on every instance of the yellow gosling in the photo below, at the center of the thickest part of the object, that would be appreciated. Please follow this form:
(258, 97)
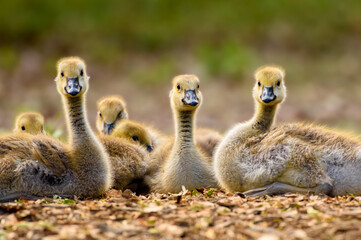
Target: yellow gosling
(111, 110)
(233, 171)
(38, 165)
(29, 122)
(134, 132)
(180, 162)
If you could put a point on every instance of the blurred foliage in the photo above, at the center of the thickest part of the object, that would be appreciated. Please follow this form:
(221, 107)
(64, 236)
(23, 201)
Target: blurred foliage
(226, 37)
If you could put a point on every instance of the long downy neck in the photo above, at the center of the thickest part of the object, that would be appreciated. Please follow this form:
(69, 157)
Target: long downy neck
(184, 129)
(264, 117)
(79, 131)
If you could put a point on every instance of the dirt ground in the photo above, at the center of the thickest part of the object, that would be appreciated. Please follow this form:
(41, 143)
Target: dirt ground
(200, 214)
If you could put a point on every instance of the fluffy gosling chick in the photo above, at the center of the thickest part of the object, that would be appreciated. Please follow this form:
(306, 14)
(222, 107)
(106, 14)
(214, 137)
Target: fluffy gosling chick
(111, 110)
(234, 169)
(135, 133)
(38, 165)
(29, 122)
(181, 162)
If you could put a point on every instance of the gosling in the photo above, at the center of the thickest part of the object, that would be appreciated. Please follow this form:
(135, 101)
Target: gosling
(29, 122)
(37, 165)
(298, 158)
(111, 110)
(135, 133)
(180, 161)
(233, 167)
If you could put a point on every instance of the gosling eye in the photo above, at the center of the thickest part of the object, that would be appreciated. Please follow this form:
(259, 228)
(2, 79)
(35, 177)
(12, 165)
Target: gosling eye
(100, 114)
(23, 128)
(62, 74)
(120, 115)
(278, 83)
(259, 83)
(81, 72)
(198, 86)
(135, 138)
(178, 87)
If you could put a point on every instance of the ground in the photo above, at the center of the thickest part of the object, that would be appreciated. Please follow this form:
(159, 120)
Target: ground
(200, 214)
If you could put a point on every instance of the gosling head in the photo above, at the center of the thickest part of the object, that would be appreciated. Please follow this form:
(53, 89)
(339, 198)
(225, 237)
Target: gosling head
(185, 94)
(29, 122)
(269, 88)
(72, 79)
(111, 110)
(134, 132)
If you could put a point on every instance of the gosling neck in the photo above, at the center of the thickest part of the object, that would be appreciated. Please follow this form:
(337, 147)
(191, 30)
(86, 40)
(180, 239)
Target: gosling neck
(184, 128)
(264, 116)
(79, 131)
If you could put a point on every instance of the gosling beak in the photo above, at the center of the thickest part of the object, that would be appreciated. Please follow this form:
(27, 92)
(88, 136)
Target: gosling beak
(108, 128)
(268, 95)
(190, 98)
(149, 148)
(72, 86)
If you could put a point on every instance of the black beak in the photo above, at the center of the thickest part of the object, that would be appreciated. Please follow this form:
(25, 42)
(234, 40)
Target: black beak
(149, 148)
(108, 128)
(72, 86)
(267, 95)
(190, 98)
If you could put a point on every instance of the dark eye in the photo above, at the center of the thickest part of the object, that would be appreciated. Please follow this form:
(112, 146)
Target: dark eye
(259, 83)
(120, 115)
(278, 83)
(100, 114)
(81, 72)
(178, 87)
(23, 128)
(62, 74)
(135, 138)
(198, 86)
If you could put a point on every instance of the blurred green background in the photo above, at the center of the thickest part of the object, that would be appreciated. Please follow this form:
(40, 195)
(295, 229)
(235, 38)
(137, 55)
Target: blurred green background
(134, 48)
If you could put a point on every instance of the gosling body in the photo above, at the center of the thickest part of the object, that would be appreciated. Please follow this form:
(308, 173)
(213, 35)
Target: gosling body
(300, 158)
(180, 162)
(231, 168)
(129, 163)
(42, 166)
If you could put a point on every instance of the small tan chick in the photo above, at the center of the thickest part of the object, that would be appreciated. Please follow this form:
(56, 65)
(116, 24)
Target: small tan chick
(298, 158)
(231, 167)
(135, 133)
(29, 122)
(180, 162)
(111, 110)
(38, 165)
(129, 161)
